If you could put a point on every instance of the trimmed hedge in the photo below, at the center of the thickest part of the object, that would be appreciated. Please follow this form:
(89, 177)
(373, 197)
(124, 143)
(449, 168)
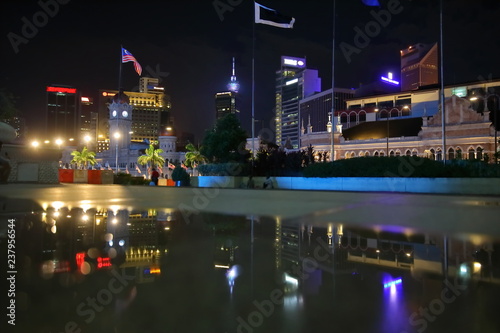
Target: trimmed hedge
(127, 179)
(224, 169)
(402, 166)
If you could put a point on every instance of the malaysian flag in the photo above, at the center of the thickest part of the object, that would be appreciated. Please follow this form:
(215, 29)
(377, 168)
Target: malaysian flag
(127, 56)
(137, 168)
(171, 166)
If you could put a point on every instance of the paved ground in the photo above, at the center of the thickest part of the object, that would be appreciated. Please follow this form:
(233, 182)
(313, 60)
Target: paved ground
(436, 213)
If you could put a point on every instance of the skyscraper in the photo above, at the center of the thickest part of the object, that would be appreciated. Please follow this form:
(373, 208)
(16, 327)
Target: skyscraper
(419, 66)
(62, 115)
(293, 83)
(226, 101)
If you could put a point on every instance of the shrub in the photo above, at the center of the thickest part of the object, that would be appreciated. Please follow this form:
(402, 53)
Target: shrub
(224, 169)
(179, 174)
(402, 166)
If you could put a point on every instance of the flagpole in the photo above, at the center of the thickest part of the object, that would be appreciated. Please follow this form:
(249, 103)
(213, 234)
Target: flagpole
(253, 89)
(332, 137)
(443, 117)
(120, 70)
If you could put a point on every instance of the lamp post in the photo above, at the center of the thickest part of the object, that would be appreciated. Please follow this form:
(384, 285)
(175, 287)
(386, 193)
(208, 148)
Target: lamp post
(117, 136)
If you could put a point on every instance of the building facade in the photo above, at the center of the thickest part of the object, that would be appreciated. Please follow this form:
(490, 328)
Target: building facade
(151, 112)
(294, 82)
(469, 135)
(419, 66)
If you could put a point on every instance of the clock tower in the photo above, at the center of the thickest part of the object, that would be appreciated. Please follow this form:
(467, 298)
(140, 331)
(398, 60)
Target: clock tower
(120, 121)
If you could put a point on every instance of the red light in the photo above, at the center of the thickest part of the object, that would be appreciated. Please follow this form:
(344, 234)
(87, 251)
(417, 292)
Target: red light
(80, 257)
(62, 90)
(103, 262)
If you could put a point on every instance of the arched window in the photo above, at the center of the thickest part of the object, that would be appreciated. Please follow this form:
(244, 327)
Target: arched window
(367, 153)
(394, 113)
(362, 116)
(376, 154)
(382, 154)
(391, 154)
(458, 153)
(433, 154)
(408, 152)
(479, 153)
(439, 156)
(346, 155)
(414, 152)
(472, 153)
(353, 155)
(361, 154)
(398, 153)
(343, 118)
(353, 118)
(384, 114)
(451, 154)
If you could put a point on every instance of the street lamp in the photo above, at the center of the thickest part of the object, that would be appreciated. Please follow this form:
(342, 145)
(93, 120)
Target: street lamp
(117, 136)
(59, 143)
(35, 144)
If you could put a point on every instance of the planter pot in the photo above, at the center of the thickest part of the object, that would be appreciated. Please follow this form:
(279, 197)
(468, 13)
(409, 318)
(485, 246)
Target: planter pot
(94, 176)
(107, 177)
(80, 176)
(66, 175)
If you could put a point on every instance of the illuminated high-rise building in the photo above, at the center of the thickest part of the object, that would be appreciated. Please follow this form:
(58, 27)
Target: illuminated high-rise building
(62, 119)
(419, 66)
(226, 101)
(293, 82)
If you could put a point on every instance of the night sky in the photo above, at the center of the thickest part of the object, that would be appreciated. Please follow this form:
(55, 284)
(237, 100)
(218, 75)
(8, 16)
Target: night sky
(190, 45)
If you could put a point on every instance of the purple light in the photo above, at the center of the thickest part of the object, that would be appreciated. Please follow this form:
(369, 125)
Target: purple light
(393, 283)
(388, 80)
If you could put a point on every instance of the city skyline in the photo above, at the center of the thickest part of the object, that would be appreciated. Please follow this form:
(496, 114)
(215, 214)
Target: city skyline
(190, 48)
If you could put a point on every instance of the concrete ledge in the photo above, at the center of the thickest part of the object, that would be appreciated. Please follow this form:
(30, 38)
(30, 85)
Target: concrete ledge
(471, 186)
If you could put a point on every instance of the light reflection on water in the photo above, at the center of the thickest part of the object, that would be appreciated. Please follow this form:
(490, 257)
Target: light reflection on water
(120, 270)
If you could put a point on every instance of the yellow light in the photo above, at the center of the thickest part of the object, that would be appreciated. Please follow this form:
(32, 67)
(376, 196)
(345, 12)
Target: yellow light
(473, 98)
(35, 144)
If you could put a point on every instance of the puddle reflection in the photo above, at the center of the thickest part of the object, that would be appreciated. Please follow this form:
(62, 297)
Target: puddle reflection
(94, 269)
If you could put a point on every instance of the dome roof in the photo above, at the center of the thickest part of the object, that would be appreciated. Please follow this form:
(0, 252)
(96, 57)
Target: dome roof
(121, 98)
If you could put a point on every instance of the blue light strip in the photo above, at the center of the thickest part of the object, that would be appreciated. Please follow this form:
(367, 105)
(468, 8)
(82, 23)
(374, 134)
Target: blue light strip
(386, 79)
(393, 283)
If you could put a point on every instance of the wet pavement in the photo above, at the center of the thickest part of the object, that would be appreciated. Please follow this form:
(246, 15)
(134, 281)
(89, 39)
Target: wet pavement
(150, 259)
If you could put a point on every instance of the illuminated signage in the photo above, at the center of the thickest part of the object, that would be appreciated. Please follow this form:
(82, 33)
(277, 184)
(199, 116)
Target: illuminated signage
(103, 262)
(62, 90)
(294, 62)
(85, 99)
(292, 81)
(393, 283)
(459, 91)
(389, 79)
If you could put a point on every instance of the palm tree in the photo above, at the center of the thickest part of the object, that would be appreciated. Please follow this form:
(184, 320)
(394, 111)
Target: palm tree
(193, 156)
(83, 158)
(152, 156)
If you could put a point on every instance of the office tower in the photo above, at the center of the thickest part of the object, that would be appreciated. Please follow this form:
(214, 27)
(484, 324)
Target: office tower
(293, 83)
(62, 119)
(419, 66)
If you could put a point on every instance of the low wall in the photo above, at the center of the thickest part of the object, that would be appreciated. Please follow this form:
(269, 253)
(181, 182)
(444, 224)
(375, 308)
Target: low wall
(32, 165)
(472, 186)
